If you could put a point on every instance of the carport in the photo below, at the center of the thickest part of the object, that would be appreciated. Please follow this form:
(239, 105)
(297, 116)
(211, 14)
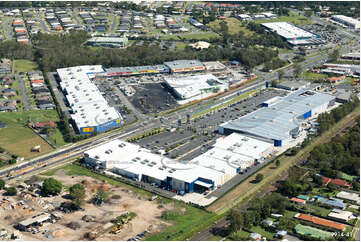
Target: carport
(200, 186)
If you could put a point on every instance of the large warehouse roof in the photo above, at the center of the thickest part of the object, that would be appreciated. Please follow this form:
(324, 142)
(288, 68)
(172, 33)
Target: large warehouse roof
(89, 106)
(288, 31)
(218, 164)
(190, 86)
(276, 121)
(181, 64)
(243, 145)
(347, 19)
(129, 157)
(145, 69)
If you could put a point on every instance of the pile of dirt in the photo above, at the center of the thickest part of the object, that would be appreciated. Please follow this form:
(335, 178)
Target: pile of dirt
(59, 233)
(126, 206)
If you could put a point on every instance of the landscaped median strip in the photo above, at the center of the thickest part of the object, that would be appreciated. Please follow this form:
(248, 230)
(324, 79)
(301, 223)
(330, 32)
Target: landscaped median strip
(222, 105)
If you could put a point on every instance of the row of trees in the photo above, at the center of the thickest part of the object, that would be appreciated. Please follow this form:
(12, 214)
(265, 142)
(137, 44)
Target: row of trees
(260, 209)
(327, 120)
(341, 154)
(59, 51)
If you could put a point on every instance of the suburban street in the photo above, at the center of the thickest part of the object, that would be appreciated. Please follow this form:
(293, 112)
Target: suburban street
(24, 97)
(8, 31)
(114, 24)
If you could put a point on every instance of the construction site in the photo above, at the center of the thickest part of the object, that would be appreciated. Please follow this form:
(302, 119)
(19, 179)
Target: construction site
(126, 214)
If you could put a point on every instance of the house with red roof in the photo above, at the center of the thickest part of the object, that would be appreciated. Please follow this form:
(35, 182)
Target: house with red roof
(338, 182)
(44, 124)
(298, 201)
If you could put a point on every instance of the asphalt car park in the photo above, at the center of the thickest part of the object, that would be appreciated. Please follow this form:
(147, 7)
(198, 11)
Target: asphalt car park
(325, 33)
(152, 98)
(236, 110)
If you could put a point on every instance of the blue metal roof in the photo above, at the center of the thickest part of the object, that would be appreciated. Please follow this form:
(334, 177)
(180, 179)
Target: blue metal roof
(334, 202)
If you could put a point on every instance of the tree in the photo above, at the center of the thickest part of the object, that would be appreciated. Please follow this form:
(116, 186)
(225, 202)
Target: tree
(317, 180)
(236, 219)
(334, 55)
(308, 13)
(51, 187)
(259, 178)
(286, 223)
(274, 83)
(11, 191)
(2, 184)
(277, 202)
(280, 74)
(277, 163)
(297, 70)
(101, 196)
(77, 193)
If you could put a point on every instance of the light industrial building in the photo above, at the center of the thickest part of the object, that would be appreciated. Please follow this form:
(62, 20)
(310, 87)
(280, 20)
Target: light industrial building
(117, 42)
(177, 66)
(351, 56)
(90, 111)
(191, 86)
(279, 121)
(292, 85)
(341, 69)
(185, 66)
(230, 156)
(347, 21)
(293, 34)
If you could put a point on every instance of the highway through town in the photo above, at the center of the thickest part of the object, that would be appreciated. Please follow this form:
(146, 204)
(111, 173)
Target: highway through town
(114, 24)
(149, 122)
(77, 149)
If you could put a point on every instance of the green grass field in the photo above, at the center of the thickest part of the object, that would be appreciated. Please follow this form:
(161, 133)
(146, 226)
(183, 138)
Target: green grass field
(25, 65)
(263, 232)
(19, 139)
(202, 36)
(185, 223)
(234, 26)
(293, 18)
(181, 46)
(313, 76)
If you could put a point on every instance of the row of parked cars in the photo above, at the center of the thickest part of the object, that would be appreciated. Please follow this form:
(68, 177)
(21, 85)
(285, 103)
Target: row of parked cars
(138, 236)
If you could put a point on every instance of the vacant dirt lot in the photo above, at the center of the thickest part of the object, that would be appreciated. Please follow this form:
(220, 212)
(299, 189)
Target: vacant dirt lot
(147, 212)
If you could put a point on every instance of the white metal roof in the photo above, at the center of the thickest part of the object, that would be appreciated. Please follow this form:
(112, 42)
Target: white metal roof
(340, 214)
(288, 30)
(243, 145)
(278, 120)
(131, 158)
(347, 19)
(88, 104)
(189, 86)
(349, 196)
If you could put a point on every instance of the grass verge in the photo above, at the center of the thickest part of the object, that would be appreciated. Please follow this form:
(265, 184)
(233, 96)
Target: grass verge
(25, 66)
